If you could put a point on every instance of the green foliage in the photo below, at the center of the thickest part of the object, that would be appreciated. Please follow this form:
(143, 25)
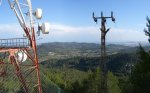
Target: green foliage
(92, 83)
(2, 88)
(147, 31)
(116, 62)
(138, 81)
(72, 68)
(60, 79)
(48, 86)
(140, 77)
(113, 84)
(75, 81)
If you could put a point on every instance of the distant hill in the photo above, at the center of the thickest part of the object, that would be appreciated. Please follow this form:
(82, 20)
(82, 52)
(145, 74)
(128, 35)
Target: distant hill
(84, 56)
(78, 49)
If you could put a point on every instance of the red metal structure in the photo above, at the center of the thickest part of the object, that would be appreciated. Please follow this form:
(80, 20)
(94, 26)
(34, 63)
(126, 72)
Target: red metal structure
(27, 73)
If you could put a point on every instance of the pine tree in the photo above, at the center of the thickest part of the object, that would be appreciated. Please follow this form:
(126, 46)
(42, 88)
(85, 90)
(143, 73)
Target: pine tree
(140, 77)
(147, 31)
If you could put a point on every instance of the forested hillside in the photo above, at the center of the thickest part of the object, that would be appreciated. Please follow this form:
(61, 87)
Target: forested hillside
(68, 65)
(84, 56)
(74, 68)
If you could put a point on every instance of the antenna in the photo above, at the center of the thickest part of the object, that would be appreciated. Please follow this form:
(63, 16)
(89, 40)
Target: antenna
(103, 62)
(101, 14)
(38, 13)
(95, 19)
(113, 19)
(44, 28)
(21, 56)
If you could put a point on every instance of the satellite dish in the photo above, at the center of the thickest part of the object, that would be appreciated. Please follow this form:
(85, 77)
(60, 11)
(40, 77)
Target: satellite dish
(45, 27)
(38, 13)
(21, 56)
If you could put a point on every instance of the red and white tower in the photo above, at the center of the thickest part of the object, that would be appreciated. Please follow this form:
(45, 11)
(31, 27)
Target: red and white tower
(21, 71)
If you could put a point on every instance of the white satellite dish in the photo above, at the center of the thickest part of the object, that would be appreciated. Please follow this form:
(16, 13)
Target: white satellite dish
(21, 56)
(45, 27)
(38, 13)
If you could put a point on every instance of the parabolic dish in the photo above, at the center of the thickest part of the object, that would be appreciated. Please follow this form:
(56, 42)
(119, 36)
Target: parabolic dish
(38, 13)
(21, 56)
(45, 28)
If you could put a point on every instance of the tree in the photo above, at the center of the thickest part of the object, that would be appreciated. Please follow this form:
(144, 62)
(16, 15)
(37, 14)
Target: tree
(89, 85)
(113, 84)
(2, 88)
(92, 83)
(147, 31)
(140, 77)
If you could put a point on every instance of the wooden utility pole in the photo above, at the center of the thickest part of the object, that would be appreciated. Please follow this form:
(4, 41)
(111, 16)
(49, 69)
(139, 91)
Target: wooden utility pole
(103, 86)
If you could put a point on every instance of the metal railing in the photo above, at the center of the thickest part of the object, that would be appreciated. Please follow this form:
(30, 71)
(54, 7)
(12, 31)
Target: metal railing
(14, 43)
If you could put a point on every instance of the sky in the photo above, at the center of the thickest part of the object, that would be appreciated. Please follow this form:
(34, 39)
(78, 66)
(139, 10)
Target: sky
(71, 20)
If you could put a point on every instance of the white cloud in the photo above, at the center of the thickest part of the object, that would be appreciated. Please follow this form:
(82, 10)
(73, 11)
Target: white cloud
(126, 35)
(10, 31)
(65, 33)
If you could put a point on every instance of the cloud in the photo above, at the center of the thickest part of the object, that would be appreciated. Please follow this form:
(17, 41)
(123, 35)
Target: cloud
(124, 35)
(60, 32)
(66, 33)
(10, 31)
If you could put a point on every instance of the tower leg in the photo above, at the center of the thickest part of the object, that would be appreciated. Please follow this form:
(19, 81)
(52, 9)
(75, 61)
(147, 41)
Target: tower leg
(36, 61)
(19, 74)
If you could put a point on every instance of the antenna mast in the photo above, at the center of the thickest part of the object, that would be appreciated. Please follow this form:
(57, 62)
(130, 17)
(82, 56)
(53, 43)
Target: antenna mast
(103, 66)
(27, 73)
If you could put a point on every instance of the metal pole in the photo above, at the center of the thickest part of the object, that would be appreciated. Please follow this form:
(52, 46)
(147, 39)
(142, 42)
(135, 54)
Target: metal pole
(103, 63)
(103, 58)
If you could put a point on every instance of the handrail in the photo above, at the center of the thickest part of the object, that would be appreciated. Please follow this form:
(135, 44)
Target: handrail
(14, 43)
